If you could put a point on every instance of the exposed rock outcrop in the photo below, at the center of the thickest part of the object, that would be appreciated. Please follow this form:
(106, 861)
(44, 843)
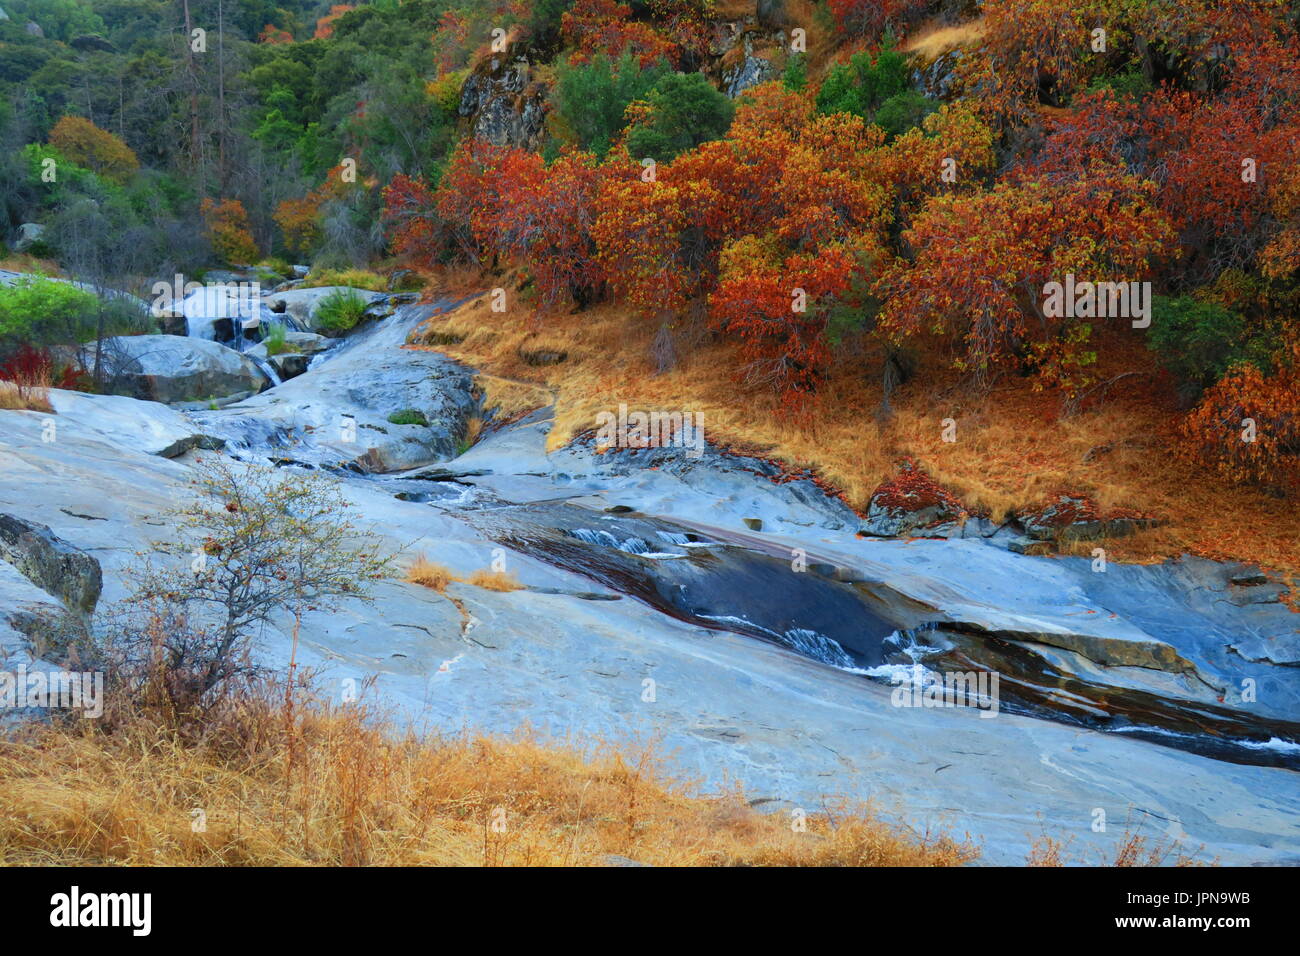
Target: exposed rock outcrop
(303, 305)
(51, 563)
(29, 233)
(503, 103)
(173, 368)
(1078, 518)
(911, 502)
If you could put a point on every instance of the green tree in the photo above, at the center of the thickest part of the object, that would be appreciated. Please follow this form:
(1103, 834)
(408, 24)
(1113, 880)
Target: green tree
(591, 98)
(879, 90)
(1196, 341)
(685, 111)
(58, 19)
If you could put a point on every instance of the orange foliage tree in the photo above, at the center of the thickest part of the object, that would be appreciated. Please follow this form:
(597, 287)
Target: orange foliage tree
(411, 216)
(1248, 425)
(981, 261)
(85, 144)
(299, 219)
(325, 25)
(274, 35)
(776, 307)
(227, 223)
(606, 26)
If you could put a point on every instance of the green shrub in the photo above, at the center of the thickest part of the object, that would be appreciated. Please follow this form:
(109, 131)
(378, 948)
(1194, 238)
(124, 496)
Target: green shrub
(1196, 341)
(276, 267)
(795, 76)
(879, 90)
(685, 111)
(905, 111)
(1132, 85)
(340, 311)
(42, 312)
(591, 98)
(408, 416)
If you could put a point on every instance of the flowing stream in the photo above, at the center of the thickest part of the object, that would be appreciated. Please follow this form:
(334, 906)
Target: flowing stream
(720, 584)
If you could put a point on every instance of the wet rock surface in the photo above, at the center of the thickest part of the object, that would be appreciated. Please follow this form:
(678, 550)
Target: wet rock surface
(735, 624)
(337, 413)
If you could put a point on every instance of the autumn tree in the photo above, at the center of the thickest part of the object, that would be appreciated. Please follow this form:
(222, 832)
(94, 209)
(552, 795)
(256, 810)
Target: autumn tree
(1247, 426)
(300, 219)
(325, 25)
(981, 261)
(415, 230)
(227, 226)
(606, 27)
(84, 143)
(873, 17)
(776, 307)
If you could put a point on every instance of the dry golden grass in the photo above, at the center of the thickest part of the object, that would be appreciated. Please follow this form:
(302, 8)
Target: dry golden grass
(24, 262)
(436, 577)
(336, 788)
(1013, 449)
(494, 580)
(428, 574)
(14, 397)
(930, 43)
(473, 431)
(1134, 849)
(352, 278)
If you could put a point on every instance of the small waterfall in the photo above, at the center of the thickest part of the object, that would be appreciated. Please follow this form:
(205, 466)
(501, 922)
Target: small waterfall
(267, 369)
(604, 539)
(914, 643)
(818, 646)
(675, 537)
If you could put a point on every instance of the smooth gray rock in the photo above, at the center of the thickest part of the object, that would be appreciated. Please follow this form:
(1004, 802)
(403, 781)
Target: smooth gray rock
(728, 709)
(302, 304)
(51, 563)
(336, 413)
(172, 368)
(28, 233)
(148, 427)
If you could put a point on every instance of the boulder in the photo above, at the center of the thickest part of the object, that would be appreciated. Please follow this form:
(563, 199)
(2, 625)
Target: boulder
(1078, 518)
(172, 368)
(911, 501)
(51, 563)
(127, 423)
(305, 343)
(302, 305)
(289, 364)
(29, 233)
(222, 313)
